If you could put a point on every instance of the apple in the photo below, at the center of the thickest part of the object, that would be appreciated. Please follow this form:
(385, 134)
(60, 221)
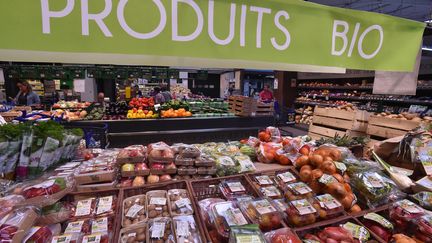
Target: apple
(151, 179)
(166, 177)
(171, 166)
(157, 166)
(128, 167)
(126, 182)
(138, 181)
(141, 166)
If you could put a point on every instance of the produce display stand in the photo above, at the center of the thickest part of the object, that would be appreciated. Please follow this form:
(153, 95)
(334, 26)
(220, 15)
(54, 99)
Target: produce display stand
(122, 133)
(383, 127)
(329, 122)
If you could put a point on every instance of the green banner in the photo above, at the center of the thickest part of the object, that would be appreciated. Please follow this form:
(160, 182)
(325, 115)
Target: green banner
(270, 34)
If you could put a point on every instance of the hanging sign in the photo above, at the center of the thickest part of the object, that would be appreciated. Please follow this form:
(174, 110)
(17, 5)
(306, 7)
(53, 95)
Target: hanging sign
(273, 34)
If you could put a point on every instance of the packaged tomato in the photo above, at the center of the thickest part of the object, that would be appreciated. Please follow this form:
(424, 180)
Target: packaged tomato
(132, 154)
(263, 181)
(160, 230)
(379, 225)
(160, 153)
(47, 192)
(102, 225)
(84, 208)
(180, 203)
(403, 212)
(134, 210)
(43, 234)
(68, 238)
(186, 170)
(205, 161)
(96, 238)
(284, 178)
(15, 223)
(106, 206)
(157, 204)
(423, 231)
(283, 235)
(298, 190)
(301, 213)
(186, 230)
(204, 207)
(190, 151)
(280, 205)
(262, 212)
(271, 192)
(232, 188)
(246, 234)
(327, 206)
(224, 215)
(206, 170)
(79, 226)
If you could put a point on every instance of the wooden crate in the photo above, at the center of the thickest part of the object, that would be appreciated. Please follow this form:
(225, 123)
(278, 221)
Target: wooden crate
(10, 115)
(329, 122)
(246, 107)
(383, 127)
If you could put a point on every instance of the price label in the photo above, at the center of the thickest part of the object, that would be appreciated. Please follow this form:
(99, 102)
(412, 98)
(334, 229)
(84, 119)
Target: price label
(182, 228)
(327, 201)
(303, 207)
(158, 201)
(264, 180)
(236, 187)
(286, 177)
(134, 210)
(157, 230)
(300, 188)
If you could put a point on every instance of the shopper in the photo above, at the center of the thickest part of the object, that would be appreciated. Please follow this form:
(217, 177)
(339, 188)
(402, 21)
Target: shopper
(26, 96)
(166, 94)
(266, 94)
(101, 97)
(158, 97)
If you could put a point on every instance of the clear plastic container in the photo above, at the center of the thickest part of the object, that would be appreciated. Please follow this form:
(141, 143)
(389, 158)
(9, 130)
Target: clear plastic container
(423, 231)
(186, 229)
(180, 203)
(132, 154)
(263, 213)
(327, 206)
(205, 161)
(79, 226)
(96, 238)
(283, 235)
(84, 208)
(159, 230)
(70, 238)
(298, 190)
(232, 188)
(157, 204)
(186, 170)
(263, 180)
(206, 170)
(301, 213)
(403, 212)
(246, 234)
(160, 153)
(106, 206)
(190, 151)
(134, 210)
(180, 160)
(284, 178)
(271, 192)
(224, 215)
(135, 234)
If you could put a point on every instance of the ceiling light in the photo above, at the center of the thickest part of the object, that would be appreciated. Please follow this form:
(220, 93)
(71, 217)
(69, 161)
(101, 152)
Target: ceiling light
(427, 49)
(429, 21)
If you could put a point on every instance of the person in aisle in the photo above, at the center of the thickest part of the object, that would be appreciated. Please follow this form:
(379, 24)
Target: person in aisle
(166, 94)
(158, 97)
(266, 94)
(101, 97)
(25, 95)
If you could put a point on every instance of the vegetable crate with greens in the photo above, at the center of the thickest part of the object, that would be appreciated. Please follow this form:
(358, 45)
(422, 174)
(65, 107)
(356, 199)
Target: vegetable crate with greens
(29, 149)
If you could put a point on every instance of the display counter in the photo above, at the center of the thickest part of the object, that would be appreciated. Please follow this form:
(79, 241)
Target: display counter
(178, 130)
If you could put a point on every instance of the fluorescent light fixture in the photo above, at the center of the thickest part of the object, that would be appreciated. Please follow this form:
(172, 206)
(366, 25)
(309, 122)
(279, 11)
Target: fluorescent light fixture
(427, 49)
(429, 21)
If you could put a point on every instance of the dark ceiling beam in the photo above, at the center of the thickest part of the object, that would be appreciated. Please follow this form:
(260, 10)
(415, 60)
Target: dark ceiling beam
(380, 7)
(400, 8)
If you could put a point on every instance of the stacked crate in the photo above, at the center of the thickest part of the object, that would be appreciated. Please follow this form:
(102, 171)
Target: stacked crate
(249, 107)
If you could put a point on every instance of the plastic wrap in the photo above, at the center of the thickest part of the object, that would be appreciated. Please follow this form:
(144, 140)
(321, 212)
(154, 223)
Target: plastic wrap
(284, 178)
(403, 212)
(204, 207)
(225, 215)
(232, 188)
(161, 169)
(42, 234)
(96, 238)
(160, 230)
(160, 153)
(301, 213)
(206, 170)
(84, 208)
(7, 204)
(157, 204)
(424, 199)
(205, 161)
(47, 192)
(226, 166)
(246, 234)
(262, 212)
(180, 203)
(180, 160)
(190, 151)
(246, 165)
(134, 210)
(16, 224)
(79, 226)
(271, 192)
(283, 235)
(69, 238)
(423, 231)
(132, 154)
(59, 212)
(266, 152)
(135, 234)
(186, 170)
(327, 206)
(378, 225)
(298, 190)
(186, 229)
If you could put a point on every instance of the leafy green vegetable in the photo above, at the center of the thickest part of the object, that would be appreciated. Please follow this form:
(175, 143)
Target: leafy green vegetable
(343, 141)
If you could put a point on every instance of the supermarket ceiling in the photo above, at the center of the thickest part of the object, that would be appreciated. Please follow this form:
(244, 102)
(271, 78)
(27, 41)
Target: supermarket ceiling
(420, 10)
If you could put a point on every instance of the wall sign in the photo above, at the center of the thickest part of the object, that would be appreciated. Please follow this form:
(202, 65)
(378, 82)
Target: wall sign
(276, 34)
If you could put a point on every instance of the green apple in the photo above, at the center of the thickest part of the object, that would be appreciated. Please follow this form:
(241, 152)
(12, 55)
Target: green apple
(128, 167)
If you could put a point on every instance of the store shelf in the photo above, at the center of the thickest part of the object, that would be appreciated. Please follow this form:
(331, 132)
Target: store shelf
(365, 99)
(338, 87)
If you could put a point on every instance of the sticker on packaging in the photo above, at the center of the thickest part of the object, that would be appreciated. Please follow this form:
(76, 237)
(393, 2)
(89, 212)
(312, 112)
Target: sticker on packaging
(357, 231)
(104, 205)
(31, 232)
(236, 187)
(157, 230)
(300, 188)
(182, 202)
(264, 180)
(42, 185)
(225, 160)
(134, 210)
(410, 206)
(234, 216)
(158, 201)
(327, 201)
(100, 225)
(94, 238)
(74, 227)
(327, 179)
(248, 239)
(379, 219)
(271, 191)
(286, 177)
(280, 204)
(182, 228)
(341, 167)
(84, 207)
(374, 181)
(263, 207)
(303, 206)
(62, 239)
